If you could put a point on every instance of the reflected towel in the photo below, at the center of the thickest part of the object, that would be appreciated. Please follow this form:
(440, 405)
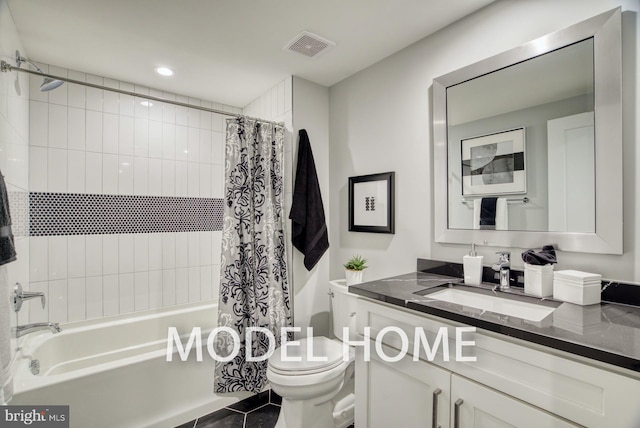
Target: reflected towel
(501, 220)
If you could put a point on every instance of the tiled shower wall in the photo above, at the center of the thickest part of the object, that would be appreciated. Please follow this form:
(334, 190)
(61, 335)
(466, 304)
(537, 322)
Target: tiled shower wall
(86, 143)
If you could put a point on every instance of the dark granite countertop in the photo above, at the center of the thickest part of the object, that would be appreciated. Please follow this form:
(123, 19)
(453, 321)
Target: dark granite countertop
(608, 332)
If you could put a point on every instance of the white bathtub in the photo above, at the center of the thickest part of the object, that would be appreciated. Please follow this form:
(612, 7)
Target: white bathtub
(113, 372)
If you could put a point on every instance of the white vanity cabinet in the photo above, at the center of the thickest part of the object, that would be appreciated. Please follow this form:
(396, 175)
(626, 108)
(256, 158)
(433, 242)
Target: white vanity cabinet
(513, 383)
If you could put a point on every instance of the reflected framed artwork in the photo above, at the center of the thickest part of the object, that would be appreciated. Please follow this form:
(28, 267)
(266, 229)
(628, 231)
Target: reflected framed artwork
(371, 203)
(494, 164)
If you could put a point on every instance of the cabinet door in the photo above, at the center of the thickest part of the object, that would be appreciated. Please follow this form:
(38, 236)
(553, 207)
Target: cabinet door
(404, 393)
(474, 405)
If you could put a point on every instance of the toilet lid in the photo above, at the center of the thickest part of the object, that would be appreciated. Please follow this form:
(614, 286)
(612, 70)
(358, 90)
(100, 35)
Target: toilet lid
(328, 353)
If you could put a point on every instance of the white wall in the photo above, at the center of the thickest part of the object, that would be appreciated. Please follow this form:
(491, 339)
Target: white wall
(380, 120)
(14, 153)
(90, 141)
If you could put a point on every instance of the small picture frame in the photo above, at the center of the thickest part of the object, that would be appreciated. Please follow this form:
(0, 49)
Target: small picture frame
(494, 164)
(371, 203)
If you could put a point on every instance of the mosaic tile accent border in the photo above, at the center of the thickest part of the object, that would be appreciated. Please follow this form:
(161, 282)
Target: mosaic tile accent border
(19, 209)
(91, 214)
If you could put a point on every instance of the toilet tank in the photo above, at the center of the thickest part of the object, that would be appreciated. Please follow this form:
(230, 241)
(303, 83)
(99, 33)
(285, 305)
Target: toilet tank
(343, 309)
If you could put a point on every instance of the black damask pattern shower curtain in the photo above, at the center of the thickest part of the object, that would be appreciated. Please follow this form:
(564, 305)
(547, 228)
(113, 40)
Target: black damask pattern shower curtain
(254, 286)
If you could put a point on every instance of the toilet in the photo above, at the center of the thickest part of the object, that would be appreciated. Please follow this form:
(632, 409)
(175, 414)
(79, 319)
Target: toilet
(318, 394)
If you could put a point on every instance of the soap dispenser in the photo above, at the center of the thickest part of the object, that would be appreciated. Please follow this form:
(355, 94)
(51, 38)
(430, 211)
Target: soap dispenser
(472, 264)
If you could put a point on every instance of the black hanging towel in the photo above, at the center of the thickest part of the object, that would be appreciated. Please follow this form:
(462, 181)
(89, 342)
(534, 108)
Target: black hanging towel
(310, 234)
(7, 247)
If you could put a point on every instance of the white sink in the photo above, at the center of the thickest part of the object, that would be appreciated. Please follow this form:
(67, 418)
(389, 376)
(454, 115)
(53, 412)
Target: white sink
(514, 308)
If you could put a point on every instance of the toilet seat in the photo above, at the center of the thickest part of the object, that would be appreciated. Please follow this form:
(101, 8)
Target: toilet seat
(329, 352)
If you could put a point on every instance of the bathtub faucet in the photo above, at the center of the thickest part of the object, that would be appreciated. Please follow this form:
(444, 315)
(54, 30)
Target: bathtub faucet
(19, 296)
(21, 330)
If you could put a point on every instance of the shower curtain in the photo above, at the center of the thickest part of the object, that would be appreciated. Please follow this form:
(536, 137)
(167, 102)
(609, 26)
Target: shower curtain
(254, 288)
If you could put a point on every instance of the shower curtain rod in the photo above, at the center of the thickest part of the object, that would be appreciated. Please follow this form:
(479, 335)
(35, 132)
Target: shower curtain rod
(5, 66)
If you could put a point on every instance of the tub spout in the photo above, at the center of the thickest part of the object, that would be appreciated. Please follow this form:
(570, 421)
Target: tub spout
(21, 330)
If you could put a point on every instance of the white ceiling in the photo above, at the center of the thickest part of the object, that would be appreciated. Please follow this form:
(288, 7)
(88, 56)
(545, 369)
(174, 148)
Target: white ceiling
(229, 51)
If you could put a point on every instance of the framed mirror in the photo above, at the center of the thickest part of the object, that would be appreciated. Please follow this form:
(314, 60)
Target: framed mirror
(528, 144)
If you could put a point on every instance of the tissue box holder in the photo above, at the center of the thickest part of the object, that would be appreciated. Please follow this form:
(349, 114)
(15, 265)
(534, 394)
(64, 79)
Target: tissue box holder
(538, 280)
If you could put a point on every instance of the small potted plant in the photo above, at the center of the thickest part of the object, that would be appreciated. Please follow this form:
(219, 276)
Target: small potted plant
(353, 269)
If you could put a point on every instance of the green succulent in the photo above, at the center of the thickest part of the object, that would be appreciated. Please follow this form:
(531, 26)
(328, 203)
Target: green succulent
(356, 263)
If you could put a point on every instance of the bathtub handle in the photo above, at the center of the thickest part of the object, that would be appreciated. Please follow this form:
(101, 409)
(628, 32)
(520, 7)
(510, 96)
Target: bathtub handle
(19, 296)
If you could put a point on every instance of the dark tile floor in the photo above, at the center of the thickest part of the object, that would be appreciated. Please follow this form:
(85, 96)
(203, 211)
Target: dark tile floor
(259, 411)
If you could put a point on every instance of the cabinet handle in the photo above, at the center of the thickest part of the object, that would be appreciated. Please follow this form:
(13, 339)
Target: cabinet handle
(456, 412)
(434, 413)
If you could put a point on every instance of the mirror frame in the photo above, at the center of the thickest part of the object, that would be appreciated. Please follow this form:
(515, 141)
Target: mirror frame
(608, 237)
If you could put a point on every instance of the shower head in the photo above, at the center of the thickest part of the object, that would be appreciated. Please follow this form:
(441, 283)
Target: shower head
(48, 84)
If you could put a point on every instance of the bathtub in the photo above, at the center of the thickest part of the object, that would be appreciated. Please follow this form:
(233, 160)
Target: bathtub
(113, 372)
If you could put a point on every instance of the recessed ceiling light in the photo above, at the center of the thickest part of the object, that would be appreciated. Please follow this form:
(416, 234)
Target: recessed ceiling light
(164, 71)
(146, 103)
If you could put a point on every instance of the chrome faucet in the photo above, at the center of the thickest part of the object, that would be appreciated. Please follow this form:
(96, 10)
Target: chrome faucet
(21, 330)
(502, 266)
(19, 296)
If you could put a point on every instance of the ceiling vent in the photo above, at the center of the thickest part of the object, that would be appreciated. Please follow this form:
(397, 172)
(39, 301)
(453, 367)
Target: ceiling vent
(309, 44)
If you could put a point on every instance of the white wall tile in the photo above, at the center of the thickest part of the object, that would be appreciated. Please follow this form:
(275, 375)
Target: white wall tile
(76, 128)
(57, 300)
(216, 247)
(205, 283)
(217, 121)
(193, 242)
(217, 148)
(38, 170)
(194, 284)
(182, 143)
(194, 117)
(38, 123)
(155, 251)
(57, 126)
(155, 289)
(110, 256)
(215, 282)
(93, 173)
(141, 252)
(36, 312)
(182, 116)
(110, 99)
(217, 181)
(76, 170)
(93, 131)
(94, 297)
(77, 94)
(59, 96)
(155, 177)
(125, 175)
(193, 145)
(205, 120)
(141, 110)
(93, 258)
(206, 248)
(126, 253)
(126, 104)
(110, 174)
(168, 141)
(168, 178)
(127, 292)
(205, 181)
(57, 257)
(76, 256)
(168, 113)
(206, 142)
(38, 258)
(110, 295)
(141, 137)
(168, 250)
(182, 250)
(94, 96)
(110, 133)
(76, 303)
(34, 86)
(141, 289)
(169, 287)
(193, 177)
(126, 128)
(57, 170)
(140, 176)
(155, 139)
(182, 179)
(155, 111)
(182, 285)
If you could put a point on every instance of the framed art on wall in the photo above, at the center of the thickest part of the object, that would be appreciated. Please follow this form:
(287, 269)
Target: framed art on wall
(371, 203)
(494, 164)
